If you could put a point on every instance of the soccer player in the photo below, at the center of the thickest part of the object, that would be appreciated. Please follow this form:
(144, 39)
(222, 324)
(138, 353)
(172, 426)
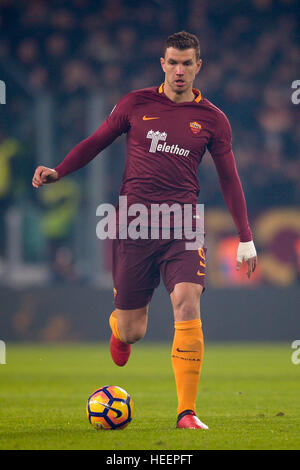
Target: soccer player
(168, 127)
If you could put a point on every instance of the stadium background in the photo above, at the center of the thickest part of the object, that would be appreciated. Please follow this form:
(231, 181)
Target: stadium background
(65, 65)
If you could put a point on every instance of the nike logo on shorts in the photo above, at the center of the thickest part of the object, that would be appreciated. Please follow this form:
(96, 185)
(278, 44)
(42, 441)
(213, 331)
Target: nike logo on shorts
(145, 118)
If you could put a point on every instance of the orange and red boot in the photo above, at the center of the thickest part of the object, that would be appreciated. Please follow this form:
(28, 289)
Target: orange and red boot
(119, 351)
(188, 420)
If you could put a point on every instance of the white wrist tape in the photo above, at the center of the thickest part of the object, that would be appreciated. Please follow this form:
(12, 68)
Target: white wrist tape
(245, 251)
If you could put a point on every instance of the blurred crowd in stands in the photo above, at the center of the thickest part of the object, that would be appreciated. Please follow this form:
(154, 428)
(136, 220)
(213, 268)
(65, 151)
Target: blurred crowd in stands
(250, 51)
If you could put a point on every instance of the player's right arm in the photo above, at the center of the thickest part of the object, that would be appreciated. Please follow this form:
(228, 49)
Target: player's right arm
(116, 124)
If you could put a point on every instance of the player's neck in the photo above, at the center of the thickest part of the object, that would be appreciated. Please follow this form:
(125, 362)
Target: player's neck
(188, 95)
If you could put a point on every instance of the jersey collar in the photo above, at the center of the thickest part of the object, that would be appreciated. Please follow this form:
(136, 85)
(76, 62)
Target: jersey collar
(197, 93)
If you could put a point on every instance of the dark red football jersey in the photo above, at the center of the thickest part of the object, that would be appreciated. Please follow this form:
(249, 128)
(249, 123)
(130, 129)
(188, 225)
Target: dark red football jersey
(165, 144)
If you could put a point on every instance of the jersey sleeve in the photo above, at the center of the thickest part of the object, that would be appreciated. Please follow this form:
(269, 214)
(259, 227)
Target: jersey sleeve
(115, 124)
(221, 141)
(119, 119)
(86, 150)
(220, 148)
(233, 193)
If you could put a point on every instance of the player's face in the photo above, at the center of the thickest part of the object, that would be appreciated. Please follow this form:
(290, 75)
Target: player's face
(181, 68)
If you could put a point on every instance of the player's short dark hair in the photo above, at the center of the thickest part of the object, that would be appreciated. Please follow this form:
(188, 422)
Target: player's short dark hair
(183, 40)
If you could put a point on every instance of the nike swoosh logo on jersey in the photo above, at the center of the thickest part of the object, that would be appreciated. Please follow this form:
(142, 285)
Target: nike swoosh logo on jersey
(200, 274)
(145, 118)
(118, 412)
(184, 350)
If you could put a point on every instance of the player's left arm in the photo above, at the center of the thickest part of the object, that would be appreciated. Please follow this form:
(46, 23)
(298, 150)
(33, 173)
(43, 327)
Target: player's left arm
(223, 157)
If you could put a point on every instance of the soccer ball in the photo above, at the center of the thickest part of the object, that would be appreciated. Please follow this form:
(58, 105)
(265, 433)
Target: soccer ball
(110, 407)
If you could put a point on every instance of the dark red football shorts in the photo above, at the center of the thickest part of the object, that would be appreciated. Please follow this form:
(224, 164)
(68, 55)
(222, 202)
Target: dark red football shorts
(137, 265)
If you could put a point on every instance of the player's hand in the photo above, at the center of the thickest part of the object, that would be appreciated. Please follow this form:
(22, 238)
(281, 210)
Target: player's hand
(44, 175)
(246, 252)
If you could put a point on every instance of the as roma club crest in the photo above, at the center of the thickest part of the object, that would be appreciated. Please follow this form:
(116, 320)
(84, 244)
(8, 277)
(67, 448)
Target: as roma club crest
(195, 127)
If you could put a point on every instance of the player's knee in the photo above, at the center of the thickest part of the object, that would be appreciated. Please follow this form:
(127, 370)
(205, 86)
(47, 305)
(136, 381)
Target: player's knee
(133, 325)
(131, 337)
(185, 309)
(133, 333)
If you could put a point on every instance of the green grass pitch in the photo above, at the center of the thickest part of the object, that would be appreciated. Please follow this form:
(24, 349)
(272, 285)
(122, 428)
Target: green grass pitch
(248, 395)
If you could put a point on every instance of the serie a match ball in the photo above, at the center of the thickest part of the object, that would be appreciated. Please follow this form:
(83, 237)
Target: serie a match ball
(110, 407)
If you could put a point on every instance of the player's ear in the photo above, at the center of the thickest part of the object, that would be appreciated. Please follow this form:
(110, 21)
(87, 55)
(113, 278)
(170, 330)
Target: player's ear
(162, 63)
(199, 65)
